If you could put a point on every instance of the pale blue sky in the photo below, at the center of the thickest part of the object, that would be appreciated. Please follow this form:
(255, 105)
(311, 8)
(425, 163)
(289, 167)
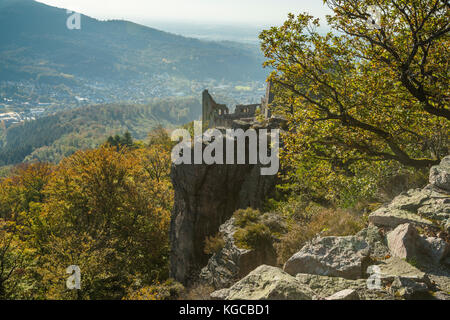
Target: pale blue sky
(253, 12)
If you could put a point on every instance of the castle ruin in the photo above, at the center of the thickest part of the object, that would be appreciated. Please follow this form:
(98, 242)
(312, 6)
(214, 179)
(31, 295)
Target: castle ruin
(218, 115)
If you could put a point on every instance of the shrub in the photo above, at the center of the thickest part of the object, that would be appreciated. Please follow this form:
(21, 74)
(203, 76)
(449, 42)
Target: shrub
(291, 242)
(214, 244)
(169, 290)
(298, 209)
(255, 230)
(275, 222)
(253, 236)
(245, 217)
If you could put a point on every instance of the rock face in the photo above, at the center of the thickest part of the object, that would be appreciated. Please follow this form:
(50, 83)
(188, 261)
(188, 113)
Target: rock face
(407, 288)
(421, 207)
(402, 241)
(402, 254)
(378, 248)
(271, 283)
(223, 269)
(435, 248)
(331, 256)
(401, 279)
(440, 295)
(391, 217)
(393, 267)
(406, 243)
(386, 278)
(324, 286)
(205, 197)
(440, 175)
(347, 294)
(266, 283)
(232, 263)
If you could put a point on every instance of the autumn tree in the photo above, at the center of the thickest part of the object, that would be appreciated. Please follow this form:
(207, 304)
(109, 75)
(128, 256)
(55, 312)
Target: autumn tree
(361, 96)
(107, 214)
(118, 141)
(11, 260)
(160, 136)
(22, 188)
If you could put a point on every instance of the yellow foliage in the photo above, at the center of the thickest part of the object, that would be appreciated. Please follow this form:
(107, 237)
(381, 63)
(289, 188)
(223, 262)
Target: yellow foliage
(106, 210)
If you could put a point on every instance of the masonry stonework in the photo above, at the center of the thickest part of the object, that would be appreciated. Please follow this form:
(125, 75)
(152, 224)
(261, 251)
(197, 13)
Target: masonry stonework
(218, 115)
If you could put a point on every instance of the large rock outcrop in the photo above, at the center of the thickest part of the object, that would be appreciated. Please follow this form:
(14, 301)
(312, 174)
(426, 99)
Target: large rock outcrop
(387, 278)
(271, 283)
(428, 207)
(402, 254)
(406, 243)
(324, 287)
(232, 263)
(331, 256)
(205, 197)
(440, 175)
(346, 294)
(402, 241)
(266, 283)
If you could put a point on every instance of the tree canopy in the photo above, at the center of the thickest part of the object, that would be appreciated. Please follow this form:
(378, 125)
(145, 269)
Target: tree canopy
(106, 210)
(358, 95)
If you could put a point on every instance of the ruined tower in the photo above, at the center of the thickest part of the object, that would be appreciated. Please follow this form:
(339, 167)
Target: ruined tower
(212, 111)
(267, 100)
(218, 115)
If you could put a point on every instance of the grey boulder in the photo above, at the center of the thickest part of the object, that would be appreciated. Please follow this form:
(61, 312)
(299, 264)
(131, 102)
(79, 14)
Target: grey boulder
(347, 294)
(331, 256)
(266, 283)
(402, 241)
(440, 174)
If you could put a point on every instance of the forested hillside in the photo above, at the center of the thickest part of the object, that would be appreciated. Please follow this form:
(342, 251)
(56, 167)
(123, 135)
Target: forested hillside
(53, 137)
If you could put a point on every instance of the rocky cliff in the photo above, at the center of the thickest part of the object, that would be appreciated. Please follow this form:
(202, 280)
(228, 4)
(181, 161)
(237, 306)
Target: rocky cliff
(404, 253)
(205, 197)
(232, 263)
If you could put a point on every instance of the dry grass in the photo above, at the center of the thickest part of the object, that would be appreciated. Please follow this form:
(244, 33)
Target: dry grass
(327, 222)
(198, 292)
(245, 217)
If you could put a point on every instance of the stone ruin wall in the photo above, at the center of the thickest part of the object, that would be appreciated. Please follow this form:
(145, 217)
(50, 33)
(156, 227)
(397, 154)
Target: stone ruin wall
(218, 115)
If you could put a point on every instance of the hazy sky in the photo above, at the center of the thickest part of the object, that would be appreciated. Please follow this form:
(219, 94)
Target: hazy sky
(257, 12)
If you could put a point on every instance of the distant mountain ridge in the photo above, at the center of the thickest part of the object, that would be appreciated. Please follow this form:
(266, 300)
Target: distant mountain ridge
(36, 42)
